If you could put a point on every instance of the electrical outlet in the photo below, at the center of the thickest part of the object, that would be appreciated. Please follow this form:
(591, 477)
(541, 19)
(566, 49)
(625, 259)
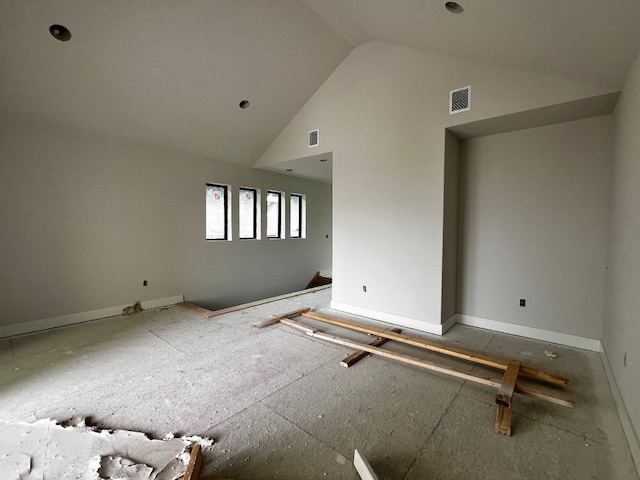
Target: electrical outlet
(364, 288)
(144, 283)
(523, 302)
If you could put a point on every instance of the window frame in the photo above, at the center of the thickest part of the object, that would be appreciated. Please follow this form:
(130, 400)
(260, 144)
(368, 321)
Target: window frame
(227, 212)
(300, 209)
(280, 214)
(256, 213)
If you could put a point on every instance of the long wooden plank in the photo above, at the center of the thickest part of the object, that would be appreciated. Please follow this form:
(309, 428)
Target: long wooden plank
(360, 354)
(479, 358)
(203, 312)
(257, 303)
(508, 385)
(272, 320)
(489, 381)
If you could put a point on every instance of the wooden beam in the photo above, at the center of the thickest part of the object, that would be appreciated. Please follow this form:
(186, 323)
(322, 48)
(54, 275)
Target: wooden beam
(360, 354)
(257, 303)
(508, 385)
(454, 372)
(195, 464)
(203, 312)
(273, 320)
(479, 358)
(503, 420)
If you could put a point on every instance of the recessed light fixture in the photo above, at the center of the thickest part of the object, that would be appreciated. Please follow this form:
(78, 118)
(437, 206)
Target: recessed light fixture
(244, 104)
(60, 32)
(454, 7)
(323, 159)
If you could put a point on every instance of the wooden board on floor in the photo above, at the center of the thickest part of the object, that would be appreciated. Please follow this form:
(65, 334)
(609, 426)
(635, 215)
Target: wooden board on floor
(195, 464)
(272, 320)
(257, 303)
(489, 381)
(479, 358)
(360, 354)
(203, 312)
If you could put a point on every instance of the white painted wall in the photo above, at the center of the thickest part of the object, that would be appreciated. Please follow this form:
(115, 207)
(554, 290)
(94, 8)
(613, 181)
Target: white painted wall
(450, 227)
(622, 319)
(383, 113)
(533, 225)
(86, 219)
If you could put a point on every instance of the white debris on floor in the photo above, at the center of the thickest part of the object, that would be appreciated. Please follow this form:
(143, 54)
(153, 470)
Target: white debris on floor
(48, 450)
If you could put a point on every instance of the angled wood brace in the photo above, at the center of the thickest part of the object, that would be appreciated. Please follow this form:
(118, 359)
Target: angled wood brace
(504, 398)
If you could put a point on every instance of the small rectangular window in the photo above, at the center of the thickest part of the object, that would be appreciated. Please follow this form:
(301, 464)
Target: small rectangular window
(248, 213)
(218, 212)
(297, 216)
(274, 214)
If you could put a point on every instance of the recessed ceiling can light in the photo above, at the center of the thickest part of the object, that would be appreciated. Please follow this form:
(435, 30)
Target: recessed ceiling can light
(454, 7)
(60, 32)
(244, 104)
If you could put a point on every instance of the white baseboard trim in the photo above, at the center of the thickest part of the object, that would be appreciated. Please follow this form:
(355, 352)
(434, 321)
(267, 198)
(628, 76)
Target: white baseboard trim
(623, 413)
(394, 319)
(530, 332)
(63, 321)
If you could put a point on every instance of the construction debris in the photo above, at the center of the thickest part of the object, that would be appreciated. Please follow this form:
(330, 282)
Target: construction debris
(135, 308)
(47, 449)
(507, 385)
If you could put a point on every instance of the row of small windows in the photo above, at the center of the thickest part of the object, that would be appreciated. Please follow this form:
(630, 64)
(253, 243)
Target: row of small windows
(218, 213)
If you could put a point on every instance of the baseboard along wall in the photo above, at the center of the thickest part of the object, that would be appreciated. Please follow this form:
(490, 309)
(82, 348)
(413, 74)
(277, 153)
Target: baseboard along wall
(65, 320)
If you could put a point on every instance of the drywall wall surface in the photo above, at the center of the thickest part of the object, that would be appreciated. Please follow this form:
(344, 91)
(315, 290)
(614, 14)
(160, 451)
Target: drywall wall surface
(382, 114)
(621, 335)
(450, 227)
(533, 226)
(87, 219)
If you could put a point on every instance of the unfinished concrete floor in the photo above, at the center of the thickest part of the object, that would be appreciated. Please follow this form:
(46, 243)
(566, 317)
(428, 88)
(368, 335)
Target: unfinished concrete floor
(280, 407)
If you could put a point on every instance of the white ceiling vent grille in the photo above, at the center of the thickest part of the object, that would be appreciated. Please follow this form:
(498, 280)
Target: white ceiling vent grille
(313, 138)
(460, 100)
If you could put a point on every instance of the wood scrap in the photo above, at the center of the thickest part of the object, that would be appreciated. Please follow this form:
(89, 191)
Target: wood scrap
(203, 312)
(271, 321)
(195, 464)
(360, 354)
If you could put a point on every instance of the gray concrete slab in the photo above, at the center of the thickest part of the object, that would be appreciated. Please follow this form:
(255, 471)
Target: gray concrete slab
(278, 401)
(260, 444)
(594, 417)
(464, 446)
(386, 410)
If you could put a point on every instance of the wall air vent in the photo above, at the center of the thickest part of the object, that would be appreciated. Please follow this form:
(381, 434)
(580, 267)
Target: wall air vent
(460, 100)
(313, 138)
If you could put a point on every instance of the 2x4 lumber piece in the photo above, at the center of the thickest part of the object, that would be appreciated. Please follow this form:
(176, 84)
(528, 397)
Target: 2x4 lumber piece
(272, 320)
(195, 464)
(479, 358)
(203, 312)
(503, 420)
(360, 354)
(454, 372)
(508, 385)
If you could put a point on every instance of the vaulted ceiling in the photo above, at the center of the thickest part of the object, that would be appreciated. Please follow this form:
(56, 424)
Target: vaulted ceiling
(172, 73)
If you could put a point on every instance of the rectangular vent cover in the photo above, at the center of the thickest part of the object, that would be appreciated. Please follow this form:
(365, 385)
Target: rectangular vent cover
(313, 138)
(460, 100)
